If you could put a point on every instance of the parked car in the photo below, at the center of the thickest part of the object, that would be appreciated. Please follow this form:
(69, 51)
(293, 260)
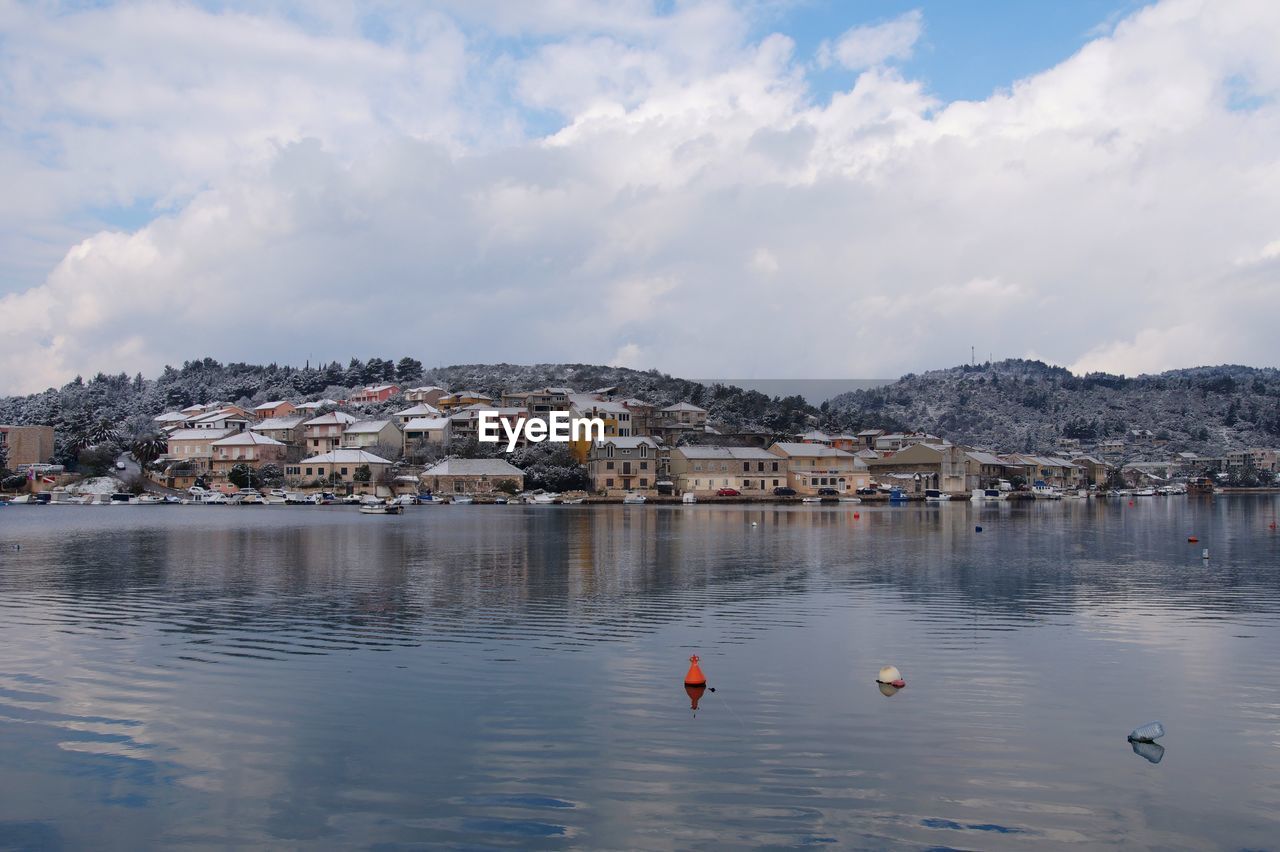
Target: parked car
(784, 491)
(728, 492)
(121, 465)
(868, 491)
(828, 492)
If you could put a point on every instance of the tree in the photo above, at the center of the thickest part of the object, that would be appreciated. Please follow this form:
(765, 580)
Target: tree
(147, 448)
(362, 474)
(271, 475)
(506, 486)
(408, 369)
(244, 476)
(96, 460)
(4, 459)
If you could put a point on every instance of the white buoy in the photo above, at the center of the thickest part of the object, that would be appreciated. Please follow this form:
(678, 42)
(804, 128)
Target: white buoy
(1204, 554)
(890, 675)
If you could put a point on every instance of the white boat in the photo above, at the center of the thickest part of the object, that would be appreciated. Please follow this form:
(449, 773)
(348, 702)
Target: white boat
(987, 494)
(430, 500)
(540, 497)
(22, 500)
(1045, 492)
(297, 497)
(1145, 492)
(689, 497)
(148, 499)
(933, 495)
(406, 500)
(850, 499)
(810, 499)
(461, 499)
(633, 498)
(573, 501)
(381, 509)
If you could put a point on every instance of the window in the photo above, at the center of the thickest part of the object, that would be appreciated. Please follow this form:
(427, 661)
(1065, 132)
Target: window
(608, 450)
(746, 467)
(343, 471)
(608, 483)
(309, 472)
(775, 483)
(775, 467)
(608, 465)
(644, 465)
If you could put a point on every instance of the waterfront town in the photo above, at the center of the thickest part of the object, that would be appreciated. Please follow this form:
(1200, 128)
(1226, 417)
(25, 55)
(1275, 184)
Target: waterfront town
(388, 441)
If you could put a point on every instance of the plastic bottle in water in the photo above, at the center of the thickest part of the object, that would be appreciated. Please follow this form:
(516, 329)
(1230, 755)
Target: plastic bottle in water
(1147, 733)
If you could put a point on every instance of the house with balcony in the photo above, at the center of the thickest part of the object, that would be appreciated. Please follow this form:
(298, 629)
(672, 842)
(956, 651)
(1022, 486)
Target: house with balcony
(324, 433)
(459, 400)
(286, 430)
(621, 464)
(193, 448)
(374, 394)
(247, 448)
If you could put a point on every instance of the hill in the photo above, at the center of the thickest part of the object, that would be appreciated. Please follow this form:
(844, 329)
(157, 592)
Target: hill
(126, 405)
(1019, 405)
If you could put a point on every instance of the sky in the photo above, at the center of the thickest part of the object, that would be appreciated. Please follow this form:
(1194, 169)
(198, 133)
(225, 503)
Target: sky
(759, 189)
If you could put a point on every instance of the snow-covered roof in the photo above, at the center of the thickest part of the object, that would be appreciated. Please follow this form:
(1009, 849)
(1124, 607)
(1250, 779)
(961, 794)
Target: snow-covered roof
(706, 451)
(684, 406)
(200, 434)
(290, 422)
(367, 427)
(346, 457)
(331, 419)
(983, 457)
(419, 410)
(426, 424)
(792, 448)
(170, 417)
(473, 467)
(274, 404)
(245, 439)
(315, 405)
(628, 443)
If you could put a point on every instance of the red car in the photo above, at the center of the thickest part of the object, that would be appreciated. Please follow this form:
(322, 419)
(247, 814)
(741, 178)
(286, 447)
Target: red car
(728, 492)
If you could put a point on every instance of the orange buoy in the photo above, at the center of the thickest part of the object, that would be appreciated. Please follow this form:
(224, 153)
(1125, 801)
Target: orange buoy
(1192, 539)
(1130, 502)
(694, 677)
(857, 515)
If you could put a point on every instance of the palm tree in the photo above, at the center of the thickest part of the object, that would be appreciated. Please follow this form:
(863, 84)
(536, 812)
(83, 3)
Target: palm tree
(147, 448)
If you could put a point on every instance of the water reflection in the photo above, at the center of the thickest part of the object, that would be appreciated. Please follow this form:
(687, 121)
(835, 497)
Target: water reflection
(502, 676)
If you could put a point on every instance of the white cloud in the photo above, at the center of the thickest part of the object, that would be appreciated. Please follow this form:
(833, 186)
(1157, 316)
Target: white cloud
(314, 192)
(867, 46)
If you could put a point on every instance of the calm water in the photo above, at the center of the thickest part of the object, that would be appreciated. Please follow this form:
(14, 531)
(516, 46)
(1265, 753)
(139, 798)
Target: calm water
(511, 676)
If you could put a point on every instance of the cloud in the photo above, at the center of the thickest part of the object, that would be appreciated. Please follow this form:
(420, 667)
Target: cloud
(656, 186)
(867, 46)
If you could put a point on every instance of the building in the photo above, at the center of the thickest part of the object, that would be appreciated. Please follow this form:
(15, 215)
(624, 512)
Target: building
(26, 445)
(341, 466)
(311, 408)
(813, 466)
(373, 394)
(1257, 458)
(229, 417)
(1093, 471)
(615, 415)
(249, 448)
(620, 464)
(473, 476)
(465, 423)
(193, 448)
(1051, 470)
(286, 430)
(684, 414)
(894, 441)
(324, 433)
(414, 412)
(278, 408)
(546, 400)
(426, 430)
(982, 469)
(461, 399)
(704, 470)
(642, 416)
(368, 434)
(867, 437)
(429, 394)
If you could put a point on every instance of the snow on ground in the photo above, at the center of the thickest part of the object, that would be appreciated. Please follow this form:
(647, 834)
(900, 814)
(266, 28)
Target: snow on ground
(96, 485)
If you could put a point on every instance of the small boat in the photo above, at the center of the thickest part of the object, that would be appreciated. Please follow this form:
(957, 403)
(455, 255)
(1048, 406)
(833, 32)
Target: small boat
(933, 495)
(381, 509)
(897, 495)
(571, 501)
(633, 498)
(149, 500)
(429, 500)
(1045, 492)
(462, 499)
(1145, 492)
(502, 501)
(23, 500)
(689, 497)
(850, 499)
(810, 499)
